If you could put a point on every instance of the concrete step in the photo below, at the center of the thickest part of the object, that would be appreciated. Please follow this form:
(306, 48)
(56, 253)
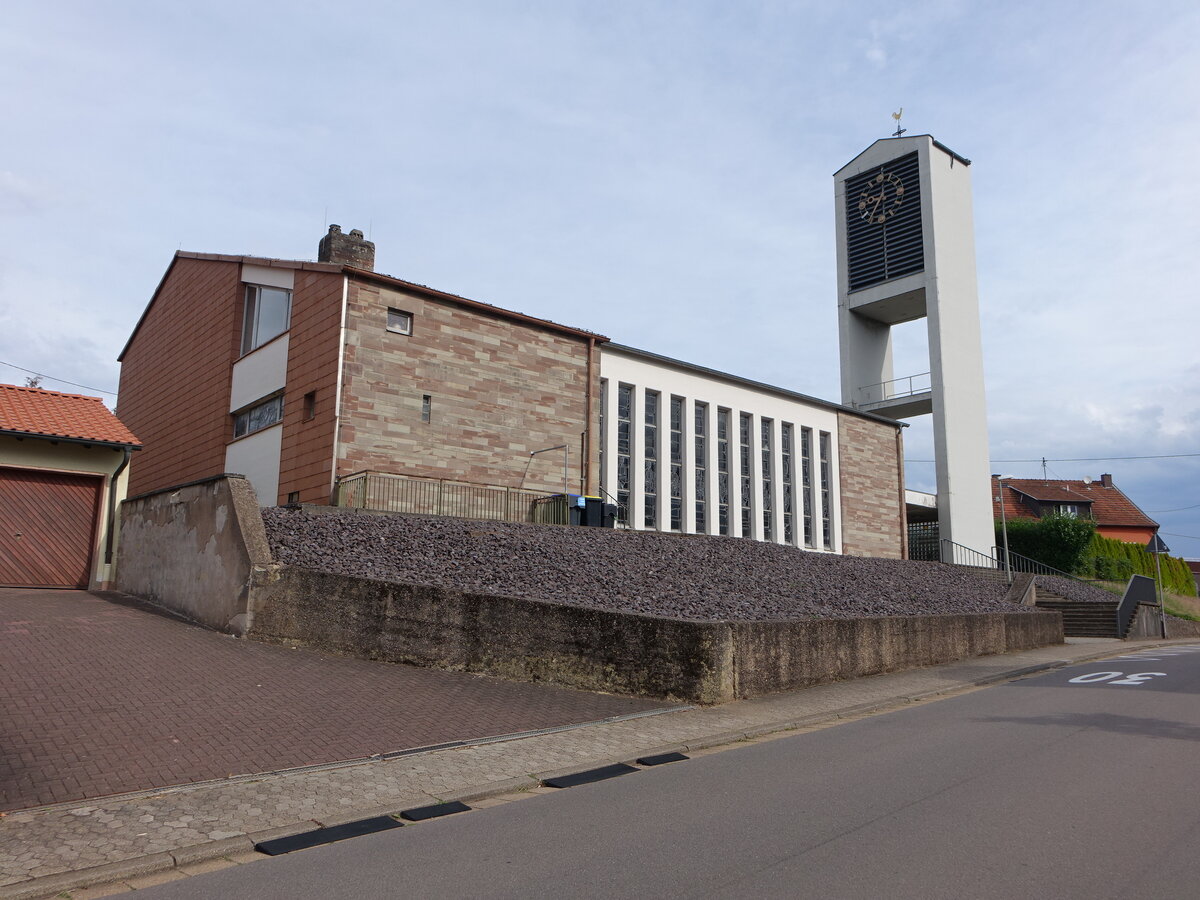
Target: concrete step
(1082, 619)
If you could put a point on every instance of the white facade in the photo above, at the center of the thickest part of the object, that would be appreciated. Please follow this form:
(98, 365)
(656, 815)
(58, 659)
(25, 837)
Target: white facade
(258, 375)
(681, 487)
(940, 287)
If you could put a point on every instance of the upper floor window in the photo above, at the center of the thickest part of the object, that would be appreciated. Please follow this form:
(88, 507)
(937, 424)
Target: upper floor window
(1069, 509)
(262, 415)
(268, 314)
(399, 321)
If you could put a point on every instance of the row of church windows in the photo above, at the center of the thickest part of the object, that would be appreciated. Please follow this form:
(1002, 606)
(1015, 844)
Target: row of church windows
(802, 506)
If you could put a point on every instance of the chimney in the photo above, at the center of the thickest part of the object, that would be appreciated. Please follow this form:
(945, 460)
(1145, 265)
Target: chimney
(346, 249)
(1106, 480)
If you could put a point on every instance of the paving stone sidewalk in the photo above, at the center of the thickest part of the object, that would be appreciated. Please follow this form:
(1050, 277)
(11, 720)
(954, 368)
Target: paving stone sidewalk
(103, 694)
(54, 849)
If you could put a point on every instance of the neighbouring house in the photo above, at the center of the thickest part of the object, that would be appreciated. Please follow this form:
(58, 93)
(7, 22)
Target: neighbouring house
(1115, 515)
(306, 377)
(64, 469)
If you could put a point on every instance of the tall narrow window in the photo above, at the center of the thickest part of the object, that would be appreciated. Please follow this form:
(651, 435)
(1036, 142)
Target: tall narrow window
(650, 518)
(745, 431)
(807, 483)
(723, 471)
(789, 502)
(701, 432)
(426, 407)
(624, 450)
(677, 464)
(826, 493)
(603, 436)
(768, 485)
(268, 313)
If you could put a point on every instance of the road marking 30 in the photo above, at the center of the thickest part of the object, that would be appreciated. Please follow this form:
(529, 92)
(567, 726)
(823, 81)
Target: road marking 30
(1115, 678)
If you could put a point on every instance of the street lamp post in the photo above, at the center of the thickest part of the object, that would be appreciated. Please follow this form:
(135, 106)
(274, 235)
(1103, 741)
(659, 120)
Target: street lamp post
(1004, 532)
(566, 449)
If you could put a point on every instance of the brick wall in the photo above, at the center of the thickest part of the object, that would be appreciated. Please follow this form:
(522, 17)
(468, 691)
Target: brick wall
(306, 457)
(175, 375)
(872, 483)
(498, 390)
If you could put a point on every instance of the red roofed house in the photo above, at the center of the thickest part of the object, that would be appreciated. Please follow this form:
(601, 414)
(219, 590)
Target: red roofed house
(64, 466)
(1116, 516)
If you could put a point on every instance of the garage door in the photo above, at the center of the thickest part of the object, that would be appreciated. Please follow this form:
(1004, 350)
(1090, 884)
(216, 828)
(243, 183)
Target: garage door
(47, 528)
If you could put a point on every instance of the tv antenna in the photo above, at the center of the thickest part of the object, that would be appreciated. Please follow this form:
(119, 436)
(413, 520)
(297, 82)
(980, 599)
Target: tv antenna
(899, 131)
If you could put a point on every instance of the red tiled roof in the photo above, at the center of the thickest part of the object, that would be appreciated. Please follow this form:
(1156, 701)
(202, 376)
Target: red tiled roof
(1109, 505)
(33, 411)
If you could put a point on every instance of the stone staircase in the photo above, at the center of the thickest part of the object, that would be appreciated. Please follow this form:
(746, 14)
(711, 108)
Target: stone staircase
(1082, 619)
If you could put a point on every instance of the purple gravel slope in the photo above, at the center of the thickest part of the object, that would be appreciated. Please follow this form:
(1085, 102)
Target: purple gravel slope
(699, 578)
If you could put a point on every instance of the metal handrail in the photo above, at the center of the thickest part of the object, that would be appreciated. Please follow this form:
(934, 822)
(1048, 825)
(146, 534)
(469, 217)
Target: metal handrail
(1031, 566)
(886, 393)
(960, 555)
(622, 521)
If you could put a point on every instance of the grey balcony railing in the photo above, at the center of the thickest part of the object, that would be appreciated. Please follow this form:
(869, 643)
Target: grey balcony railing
(895, 388)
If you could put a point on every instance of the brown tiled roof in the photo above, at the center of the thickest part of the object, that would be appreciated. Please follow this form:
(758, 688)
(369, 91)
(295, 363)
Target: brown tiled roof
(353, 271)
(33, 411)
(1109, 505)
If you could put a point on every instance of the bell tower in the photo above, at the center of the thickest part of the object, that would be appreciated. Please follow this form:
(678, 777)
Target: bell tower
(906, 251)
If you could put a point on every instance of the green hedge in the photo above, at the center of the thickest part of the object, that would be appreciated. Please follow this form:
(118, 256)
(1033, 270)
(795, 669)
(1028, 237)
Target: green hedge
(1113, 560)
(1055, 540)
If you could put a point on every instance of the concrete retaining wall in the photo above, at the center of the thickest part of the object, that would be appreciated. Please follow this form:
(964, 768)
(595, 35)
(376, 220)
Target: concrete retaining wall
(1182, 628)
(201, 549)
(198, 549)
(701, 662)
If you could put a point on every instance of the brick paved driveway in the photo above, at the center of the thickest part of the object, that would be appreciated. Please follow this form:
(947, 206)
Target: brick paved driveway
(101, 694)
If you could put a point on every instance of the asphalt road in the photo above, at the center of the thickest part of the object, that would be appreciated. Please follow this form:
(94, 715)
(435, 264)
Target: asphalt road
(1080, 783)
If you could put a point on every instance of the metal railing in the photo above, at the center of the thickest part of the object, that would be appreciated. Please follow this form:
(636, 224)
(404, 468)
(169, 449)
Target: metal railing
(959, 555)
(387, 492)
(1019, 563)
(895, 388)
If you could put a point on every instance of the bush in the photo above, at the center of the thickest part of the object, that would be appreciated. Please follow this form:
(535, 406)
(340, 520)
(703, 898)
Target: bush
(1112, 560)
(1056, 540)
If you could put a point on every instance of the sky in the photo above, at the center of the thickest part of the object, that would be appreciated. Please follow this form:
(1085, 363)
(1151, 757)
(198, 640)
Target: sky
(657, 172)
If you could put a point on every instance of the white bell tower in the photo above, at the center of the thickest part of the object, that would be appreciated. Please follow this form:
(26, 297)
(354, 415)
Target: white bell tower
(906, 251)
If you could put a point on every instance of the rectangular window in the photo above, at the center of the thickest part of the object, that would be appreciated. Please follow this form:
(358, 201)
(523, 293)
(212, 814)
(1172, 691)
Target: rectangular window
(701, 426)
(723, 428)
(624, 450)
(426, 408)
(268, 314)
(826, 494)
(603, 436)
(399, 321)
(310, 405)
(256, 418)
(650, 519)
(768, 485)
(807, 483)
(746, 422)
(789, 501)
(677, 464)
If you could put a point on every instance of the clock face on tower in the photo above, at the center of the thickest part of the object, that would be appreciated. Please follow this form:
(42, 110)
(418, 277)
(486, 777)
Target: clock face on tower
(883, 223)
(881, 198)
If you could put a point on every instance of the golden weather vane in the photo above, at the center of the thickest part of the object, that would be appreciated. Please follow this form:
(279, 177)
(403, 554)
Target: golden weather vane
(896, 115)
